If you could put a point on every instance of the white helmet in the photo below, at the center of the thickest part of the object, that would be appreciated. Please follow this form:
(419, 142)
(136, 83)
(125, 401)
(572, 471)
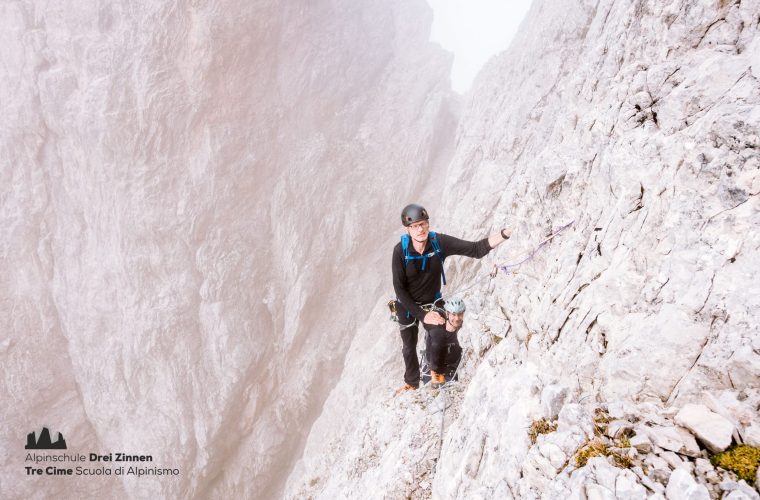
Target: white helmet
(455, 305)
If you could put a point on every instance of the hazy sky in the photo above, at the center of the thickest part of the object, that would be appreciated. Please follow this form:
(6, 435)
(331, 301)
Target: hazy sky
(474, 30)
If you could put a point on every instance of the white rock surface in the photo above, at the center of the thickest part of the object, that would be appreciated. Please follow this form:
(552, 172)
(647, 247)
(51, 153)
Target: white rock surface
(752, 435)
(682, 486)
(628, 487)
(552, 399)
(641, 443)
(596, 492)
(674, 460)
(703, 466)
(738, 490)
(675, 439)
(739, 495)
(710, 428)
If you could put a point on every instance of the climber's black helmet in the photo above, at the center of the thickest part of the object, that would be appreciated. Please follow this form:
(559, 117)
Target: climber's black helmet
(413, 213)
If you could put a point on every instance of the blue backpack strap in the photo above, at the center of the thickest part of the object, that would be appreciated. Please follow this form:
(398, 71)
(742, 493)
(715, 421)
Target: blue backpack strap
(405, 247)
(405, 239)
(437, 250)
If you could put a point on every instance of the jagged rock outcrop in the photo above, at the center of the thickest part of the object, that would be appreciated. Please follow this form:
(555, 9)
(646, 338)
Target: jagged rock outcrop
(639, 122)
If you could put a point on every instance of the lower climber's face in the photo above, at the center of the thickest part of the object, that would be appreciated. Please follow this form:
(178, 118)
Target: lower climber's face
(456, 320)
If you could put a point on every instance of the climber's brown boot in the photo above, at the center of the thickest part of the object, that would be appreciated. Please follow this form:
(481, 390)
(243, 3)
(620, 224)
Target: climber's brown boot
(404, 388)
(437, 379)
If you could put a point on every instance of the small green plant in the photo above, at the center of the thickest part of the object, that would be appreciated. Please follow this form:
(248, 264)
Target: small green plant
(601, 421)
(621, 460)
(623, 441)
(589, 451)
(540, 427)
(742, 459)
(599, 449)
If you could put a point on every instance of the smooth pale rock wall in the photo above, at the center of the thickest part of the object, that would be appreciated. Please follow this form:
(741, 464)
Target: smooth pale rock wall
(640, 123)
(196, 200)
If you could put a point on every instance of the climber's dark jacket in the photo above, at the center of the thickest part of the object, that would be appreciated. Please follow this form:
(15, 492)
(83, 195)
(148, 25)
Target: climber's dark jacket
(414, 286)
(443, 350)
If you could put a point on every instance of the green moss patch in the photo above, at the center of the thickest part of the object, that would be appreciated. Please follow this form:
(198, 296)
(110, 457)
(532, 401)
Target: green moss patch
(742, 460)
(599, 449)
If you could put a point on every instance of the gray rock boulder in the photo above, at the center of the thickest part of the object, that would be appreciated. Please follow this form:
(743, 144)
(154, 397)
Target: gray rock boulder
(674, 439)
(641, 443)
(752, 436)
(552, 400)
(627, 487)
(597, 492)
(682, 486)
(741, 495)
(738, 490)
(713, 430)
(618, 428)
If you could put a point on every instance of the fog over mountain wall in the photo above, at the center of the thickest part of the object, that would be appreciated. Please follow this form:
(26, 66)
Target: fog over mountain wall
(197, 203)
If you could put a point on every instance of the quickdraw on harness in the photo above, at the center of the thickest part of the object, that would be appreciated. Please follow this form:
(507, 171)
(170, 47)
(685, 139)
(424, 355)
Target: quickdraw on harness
(425, 307)
(394, 312)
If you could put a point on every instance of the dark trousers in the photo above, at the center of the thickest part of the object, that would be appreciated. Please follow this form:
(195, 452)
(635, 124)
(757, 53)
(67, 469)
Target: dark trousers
(443, 351)
(409, 350)
(409, 336)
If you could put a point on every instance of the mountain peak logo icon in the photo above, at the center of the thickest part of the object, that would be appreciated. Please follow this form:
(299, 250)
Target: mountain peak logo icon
(43, 442)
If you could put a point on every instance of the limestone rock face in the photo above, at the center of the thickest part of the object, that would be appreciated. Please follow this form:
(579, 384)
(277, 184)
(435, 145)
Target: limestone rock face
(632, 128)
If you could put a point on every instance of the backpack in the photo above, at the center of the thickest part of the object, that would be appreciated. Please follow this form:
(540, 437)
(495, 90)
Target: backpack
(405, 239)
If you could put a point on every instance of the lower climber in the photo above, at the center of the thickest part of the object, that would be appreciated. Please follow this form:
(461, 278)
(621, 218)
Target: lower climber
(443, 349)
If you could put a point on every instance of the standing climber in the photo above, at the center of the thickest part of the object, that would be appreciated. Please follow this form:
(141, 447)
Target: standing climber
(417, 274)
(443, 349)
